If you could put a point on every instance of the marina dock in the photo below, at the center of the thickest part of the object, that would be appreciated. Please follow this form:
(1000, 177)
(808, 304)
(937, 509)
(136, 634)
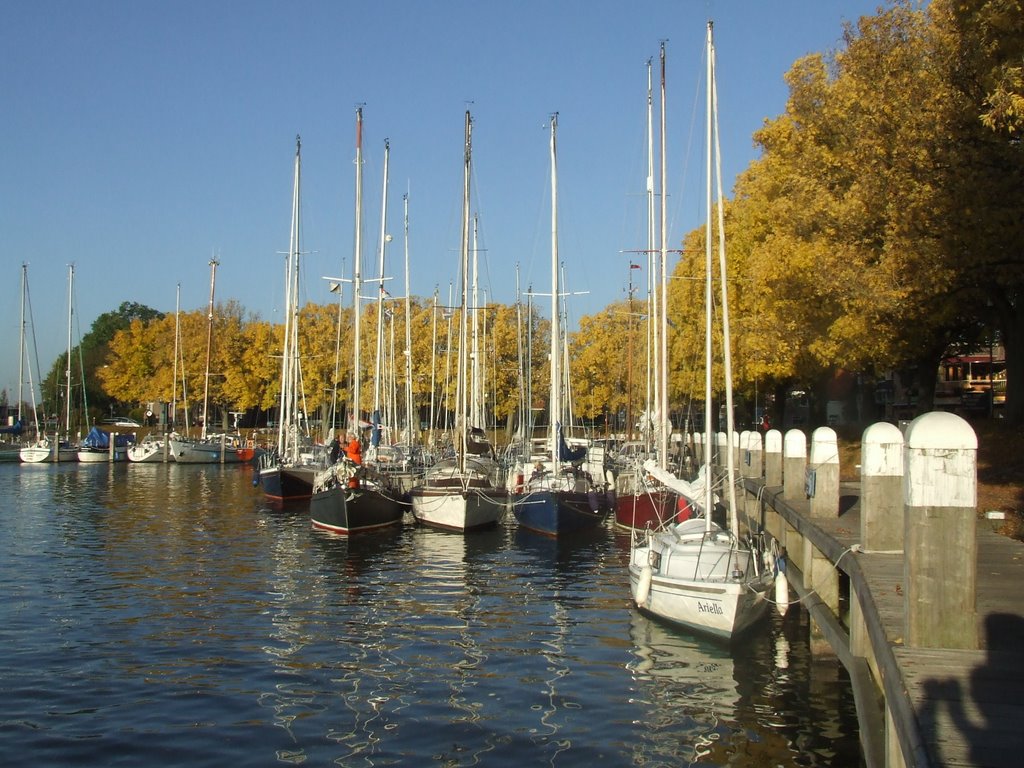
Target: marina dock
(918, 704)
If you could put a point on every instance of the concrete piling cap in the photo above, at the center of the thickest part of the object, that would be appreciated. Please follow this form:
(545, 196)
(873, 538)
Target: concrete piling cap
(881, 449)
(795, 443)
(882, 433)
(941, 430)
(824, 446)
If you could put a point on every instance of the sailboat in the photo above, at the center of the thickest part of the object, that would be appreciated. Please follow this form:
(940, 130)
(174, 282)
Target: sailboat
(96, 447)
(154, 447)
(10, 450)
(210, 448)
(558, 488)
(463, 492)
(697, 574)
(57, 449)
(642, 500)
(287, 473)
(350, 497)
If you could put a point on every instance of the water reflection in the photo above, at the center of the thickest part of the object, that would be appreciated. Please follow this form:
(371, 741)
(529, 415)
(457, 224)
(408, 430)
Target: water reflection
(157, 613)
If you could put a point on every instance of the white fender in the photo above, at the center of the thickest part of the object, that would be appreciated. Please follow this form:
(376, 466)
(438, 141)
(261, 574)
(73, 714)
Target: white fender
(781, 592)
(643, 586)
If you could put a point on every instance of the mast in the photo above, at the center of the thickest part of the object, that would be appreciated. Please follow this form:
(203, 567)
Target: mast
(433, 371)
(26, 302)
(461, 394)
(177, 336)
(21, 342)
(209, 344)
(357, 276)
(708, 431)
(663, 419)
(726, 341)
(476, 410)
(289, 354)
(652, 323)
(379, 371)
(554, 412)
(408, 327)
(67, 368)
(520, 360)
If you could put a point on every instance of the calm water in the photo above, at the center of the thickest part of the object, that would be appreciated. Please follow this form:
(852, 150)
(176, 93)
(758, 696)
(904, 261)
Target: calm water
(164, 615)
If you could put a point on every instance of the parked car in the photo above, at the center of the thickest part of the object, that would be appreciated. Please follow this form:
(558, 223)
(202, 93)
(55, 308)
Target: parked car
(120, 421)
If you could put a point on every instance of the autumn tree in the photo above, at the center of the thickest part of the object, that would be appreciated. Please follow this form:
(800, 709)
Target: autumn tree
(88, 358)
(982, 46)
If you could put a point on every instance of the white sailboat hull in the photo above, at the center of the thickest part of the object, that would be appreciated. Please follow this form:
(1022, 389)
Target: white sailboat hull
(207, 452)
(457, 510)
(101, 455)
(149, 451)
(702, 581)
(40, 452)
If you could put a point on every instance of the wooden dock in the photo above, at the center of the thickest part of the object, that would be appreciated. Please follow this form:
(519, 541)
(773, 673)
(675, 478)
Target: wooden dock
(932, 706)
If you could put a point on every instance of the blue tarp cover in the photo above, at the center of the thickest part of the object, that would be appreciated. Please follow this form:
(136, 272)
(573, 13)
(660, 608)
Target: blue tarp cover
(15, 429)
(97, 438)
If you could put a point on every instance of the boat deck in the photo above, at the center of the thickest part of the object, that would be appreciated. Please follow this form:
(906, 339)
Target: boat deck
(964, 706)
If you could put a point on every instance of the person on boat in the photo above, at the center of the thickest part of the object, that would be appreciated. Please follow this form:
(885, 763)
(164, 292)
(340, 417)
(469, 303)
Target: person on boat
(335, 449)
(354, 453)
(354, 450)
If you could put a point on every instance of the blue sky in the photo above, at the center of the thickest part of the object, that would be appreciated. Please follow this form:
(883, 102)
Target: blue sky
(139, 138)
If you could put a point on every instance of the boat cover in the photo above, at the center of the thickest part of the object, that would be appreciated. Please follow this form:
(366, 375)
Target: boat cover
(97, 438)
(15, 429)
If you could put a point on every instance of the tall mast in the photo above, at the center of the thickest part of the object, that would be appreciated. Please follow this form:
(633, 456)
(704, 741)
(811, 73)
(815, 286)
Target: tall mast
(408, 327)
(476, 409)
(177, 337)
(21, 341)
(726, 341)
(357, 276)
(554, 409)
(461, 393)
(663, 419)
(209, 345)
(433, 370)
(289, 354)
(708, 431)
(26, 302)
(380, 292)
(651, 263)
(520, 358)
(67, 368)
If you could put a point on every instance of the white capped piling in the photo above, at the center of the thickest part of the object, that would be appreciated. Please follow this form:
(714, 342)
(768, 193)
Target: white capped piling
(940, 532)
(721, 446)
(773, 458)
(756, 455)
(881, 488)
(750, 456)
(698, 448)
(750, 467)
(794, 465)
(823, 473)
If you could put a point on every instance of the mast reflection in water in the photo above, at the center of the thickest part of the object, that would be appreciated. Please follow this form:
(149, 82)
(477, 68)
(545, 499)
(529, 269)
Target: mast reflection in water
(161, 614)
